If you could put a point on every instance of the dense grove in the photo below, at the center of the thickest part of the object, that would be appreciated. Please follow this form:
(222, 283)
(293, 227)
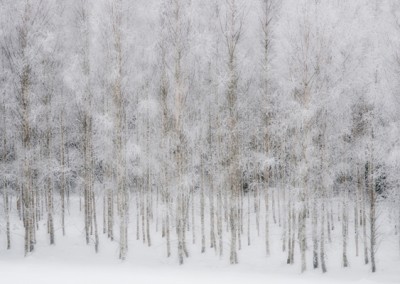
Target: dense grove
(211, 122)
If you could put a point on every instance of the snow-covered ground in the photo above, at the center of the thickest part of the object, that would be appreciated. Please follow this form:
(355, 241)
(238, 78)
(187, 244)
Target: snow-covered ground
(72, 261)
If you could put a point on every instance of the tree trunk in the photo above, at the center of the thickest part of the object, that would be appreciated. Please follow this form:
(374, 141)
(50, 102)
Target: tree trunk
(364, 218)
(372, 215)
(345, 228)
(63, 182)
(314, 232)
(322, 240)
(5, 182)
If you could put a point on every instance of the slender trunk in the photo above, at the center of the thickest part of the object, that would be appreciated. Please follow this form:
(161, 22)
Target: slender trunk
(329, 218)
(193, 225)
(138, 215)
(167, 230)
(185, 221)
(345, 228)
(7, 213)
(220, 222)
(356, 212)
(143, 214)
(149, 190)
(96, 235)
(5, 182)
(104, 211)
(110, 207)
(289, 223)
(322, 240)
(284, 220)
(213, 242)
(49, 184)
(63, 182)
(27, 190)
(148, 214)
(240, 217)
(266, 193)
(314, 232)
(280, 189)
(364, 221)
(293, 238)
(273, 209)
(180, 228)
(202, 221)
(257, 206)
(302, 237)
(248, 219)
(50, 211)
(372, 217)
(233, 230)
(86, 193)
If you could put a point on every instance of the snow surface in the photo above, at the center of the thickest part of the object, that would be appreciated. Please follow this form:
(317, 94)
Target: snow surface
(72, 261)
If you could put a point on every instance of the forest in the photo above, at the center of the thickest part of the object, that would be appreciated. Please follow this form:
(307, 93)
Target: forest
(202, 126)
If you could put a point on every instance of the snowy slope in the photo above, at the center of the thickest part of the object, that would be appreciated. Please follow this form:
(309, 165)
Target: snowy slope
(72, 261)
